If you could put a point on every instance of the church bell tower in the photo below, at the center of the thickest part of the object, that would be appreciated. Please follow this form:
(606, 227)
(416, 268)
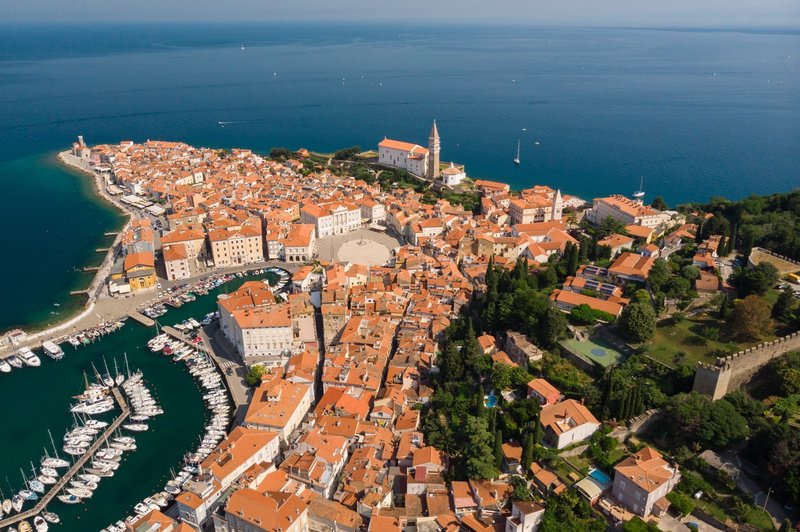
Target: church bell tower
(433, 153)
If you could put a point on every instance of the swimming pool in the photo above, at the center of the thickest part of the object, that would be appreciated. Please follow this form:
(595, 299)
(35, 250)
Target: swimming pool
(600, 477)
(490, 401)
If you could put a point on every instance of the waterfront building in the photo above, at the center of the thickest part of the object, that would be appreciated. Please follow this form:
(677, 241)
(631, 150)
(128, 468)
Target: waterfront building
(241, 449)
(193, 238)
(419, 161)
(176, 263)
(642, 482)
(534, 207)
(254, 510)
(237, 245)
(263, 334)
(453, 175)
(628, 212)
(279, 406)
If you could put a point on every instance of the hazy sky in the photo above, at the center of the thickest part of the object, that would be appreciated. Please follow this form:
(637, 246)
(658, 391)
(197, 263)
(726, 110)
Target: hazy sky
(579, 12)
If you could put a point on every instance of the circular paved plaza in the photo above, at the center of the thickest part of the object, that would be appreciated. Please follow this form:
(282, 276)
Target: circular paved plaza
(359, 247)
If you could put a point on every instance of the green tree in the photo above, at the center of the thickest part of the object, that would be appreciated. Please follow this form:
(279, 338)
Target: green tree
(659, 204)
(498, 450)
(527, 453)
(479, 458)
(690, 272)
(553, 327)
(638, 322)
(280, 153)
(572, 256)
(254, 374)
(751, 319)
(756, 280)
(453, 365)
(682, 503)
(637, 524)
(658, 276)
(347, 153)
(732, 247)
(784, 304)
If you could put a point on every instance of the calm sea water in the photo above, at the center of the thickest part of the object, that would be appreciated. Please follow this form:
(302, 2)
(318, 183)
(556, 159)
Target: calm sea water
(697, 113)
(37, 399)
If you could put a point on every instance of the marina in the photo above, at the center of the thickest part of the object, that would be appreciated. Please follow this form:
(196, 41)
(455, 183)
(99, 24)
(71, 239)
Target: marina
(74, 470)
(171, 438)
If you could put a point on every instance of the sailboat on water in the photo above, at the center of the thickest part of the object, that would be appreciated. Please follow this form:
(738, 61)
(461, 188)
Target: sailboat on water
(516, 159)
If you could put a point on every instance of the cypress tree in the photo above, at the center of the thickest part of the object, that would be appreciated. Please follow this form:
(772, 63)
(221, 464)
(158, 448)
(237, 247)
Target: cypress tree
(498, 449)
(722, 249)
(538, 432)
(698, 237)
(527, 453)
(732, 240)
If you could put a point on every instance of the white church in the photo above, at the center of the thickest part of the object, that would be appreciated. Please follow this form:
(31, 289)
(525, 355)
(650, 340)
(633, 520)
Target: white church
(422, 162)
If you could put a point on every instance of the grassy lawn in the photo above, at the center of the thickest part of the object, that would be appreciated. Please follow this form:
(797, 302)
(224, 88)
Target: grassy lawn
(760, 519)
(683, 338)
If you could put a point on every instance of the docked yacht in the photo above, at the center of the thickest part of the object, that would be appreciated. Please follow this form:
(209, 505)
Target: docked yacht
(40, 524)
(5, 367)
(50, 517)
(52, 350)
(15, 361)
(28, 357)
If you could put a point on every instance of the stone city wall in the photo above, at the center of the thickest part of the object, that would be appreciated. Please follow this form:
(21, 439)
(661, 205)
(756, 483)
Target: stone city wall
(732, 372)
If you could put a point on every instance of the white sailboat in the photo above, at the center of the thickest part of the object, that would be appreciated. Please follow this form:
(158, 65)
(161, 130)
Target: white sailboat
(517, 159)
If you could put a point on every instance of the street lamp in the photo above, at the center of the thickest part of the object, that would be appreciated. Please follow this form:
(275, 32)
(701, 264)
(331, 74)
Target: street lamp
(767, 499)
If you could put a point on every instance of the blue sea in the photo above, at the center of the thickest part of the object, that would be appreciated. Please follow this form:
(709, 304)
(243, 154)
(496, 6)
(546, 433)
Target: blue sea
(695, 113)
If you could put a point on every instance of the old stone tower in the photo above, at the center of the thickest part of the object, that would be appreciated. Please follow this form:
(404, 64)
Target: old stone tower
(433, 152)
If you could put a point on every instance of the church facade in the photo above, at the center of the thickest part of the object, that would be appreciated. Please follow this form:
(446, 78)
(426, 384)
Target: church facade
(422, 162)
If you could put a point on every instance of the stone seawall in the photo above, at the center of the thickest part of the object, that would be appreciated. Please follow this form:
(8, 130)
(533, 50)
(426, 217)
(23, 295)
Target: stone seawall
(732, 372)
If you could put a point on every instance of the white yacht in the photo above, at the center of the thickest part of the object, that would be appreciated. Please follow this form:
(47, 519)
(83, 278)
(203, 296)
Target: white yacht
(40, 524)
(5, 367)
(29, 357)
(15, 361)
(52, 350)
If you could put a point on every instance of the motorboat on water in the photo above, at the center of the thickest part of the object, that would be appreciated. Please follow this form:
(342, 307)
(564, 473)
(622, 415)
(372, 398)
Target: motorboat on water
(24, 526)
(17, 501)
(89, 477)
(50, 517)
(40, 524)
(70, 499)
(135, 427)
(123, 439)
(6, 506)
(102, 472)
(5, 367)
(28, 357)
(52, 350)
(15, 361)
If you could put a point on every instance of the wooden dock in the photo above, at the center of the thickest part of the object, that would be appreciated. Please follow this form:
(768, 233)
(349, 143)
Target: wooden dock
(91, 268)
(141, 318)
(74, 470)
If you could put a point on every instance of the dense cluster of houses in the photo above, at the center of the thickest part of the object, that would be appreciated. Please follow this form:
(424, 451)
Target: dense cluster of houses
(331, 439)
